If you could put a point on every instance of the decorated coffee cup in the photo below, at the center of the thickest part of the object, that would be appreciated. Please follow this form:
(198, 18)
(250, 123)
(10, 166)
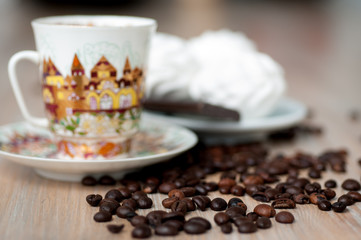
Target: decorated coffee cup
(92, 72)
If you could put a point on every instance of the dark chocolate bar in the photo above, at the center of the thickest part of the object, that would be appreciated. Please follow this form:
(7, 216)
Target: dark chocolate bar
(192, 108)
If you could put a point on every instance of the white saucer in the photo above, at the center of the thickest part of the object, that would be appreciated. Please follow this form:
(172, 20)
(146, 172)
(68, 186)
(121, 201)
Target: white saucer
(288, 113)
(157, 141)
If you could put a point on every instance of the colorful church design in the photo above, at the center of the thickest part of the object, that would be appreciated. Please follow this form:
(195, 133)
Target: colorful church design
(103, 92)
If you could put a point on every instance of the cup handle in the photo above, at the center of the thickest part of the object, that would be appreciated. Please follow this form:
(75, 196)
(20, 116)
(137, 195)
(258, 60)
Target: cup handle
(34, 57)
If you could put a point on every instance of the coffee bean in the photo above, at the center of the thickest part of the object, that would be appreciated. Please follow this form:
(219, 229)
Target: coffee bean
(211, 186)
(351, 185)
(190, 204)
(180, 182)
(227, 183)
(130, 203)
(89, 181)
(330, 183)
(114, 194)
(311, 188)
(175, 223)
(293, 190)
(166, 187)
(284, 217)
(263, 222)
(108, 207)
(94, 199)
(133, 186)
(150, 188)
(204, 222)
(324, 205)
(145, 202)
(167, 202)
(155, 217)
(142, 231)
(166, 230)
(125, 212)
(224, 190)
(346, 199)
(179, 206)
(188, 191)
(194, 228)
(102, 217)
(218, 204)
(237, 190)
(356, 196)
(201, 189)
(316, 197)
(226, 228)
(264, 210)
(115, 228)
(252, 216)
(201, 202)
(247, 227)
(138, 220)
(106, 180)
(138, 194)
(283, 203)
(176, 193)
(179, 216)
(314, 173)
(221, 218)
(338, 207)
(260, 196)
(253, 180)
(234, 202)
(125, 192)
(301, 182)
(271, 193)
(301, 199)
(238, 221)
(235, 212)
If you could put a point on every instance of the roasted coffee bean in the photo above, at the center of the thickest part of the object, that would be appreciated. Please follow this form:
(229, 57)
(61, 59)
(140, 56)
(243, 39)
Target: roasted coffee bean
(284, 217)
(263, 223)
(301, 199)
(291, 180)
(225, 190)
(125, 192)
(141, 231)
(237, 190)
(150, 188)
(314, 173)
(167, 202)
(166, 230)
(201, 202)
(138, 194)
(201, 189)
(351, 185)
(152, 180)
(192, 182)
(176, 193)
(346, 199)
(211, 186)
(114, 194)
(204, 222)
(338, 207)
(324, 205)
(102, 217)
(138, 220)
(180, 182)
(293, 190)
(311, 188)
(301, 182)
(264, 210)
(316, 197)
(238, 221)
(179, 206)
(125, 212)
(271, 193)
(253, 180)
(252, 216)
(218, 204)
(106, 180)
(329, 193)
(235, 211)
(94, 199)
(283, 203)
(247, 227)
(226, 228)
(226, 183)
(234, 202)
(155, 217)
(283, 195)
(130, 203)
(221, 218)
(108, 207)
(166, 187)
(179, 216)
(330, 183)
(133, 186)
(188, 191)
(115, 228)
(356, 196)
(194, 228)
(145, 202)
(175, 223)
(89, 181)
(260, 196)
(190, 204)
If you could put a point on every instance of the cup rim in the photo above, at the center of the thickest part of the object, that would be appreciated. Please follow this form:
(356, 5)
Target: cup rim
(107, 21)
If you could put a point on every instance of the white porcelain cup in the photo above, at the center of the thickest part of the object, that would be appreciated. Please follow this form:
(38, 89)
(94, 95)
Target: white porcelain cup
(92, 73)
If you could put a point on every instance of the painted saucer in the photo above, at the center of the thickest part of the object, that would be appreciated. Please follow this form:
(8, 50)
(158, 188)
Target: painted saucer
(30, 146)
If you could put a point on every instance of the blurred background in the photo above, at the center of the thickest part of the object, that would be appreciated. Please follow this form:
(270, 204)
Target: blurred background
(317, 42)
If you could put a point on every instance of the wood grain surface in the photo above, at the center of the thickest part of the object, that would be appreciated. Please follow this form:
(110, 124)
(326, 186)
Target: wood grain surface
(318, 46)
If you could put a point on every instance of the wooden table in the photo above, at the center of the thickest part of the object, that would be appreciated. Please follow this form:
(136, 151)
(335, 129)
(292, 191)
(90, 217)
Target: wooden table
(316, 44)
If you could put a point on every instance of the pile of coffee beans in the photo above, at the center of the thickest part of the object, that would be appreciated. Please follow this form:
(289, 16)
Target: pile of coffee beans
(244, 169)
